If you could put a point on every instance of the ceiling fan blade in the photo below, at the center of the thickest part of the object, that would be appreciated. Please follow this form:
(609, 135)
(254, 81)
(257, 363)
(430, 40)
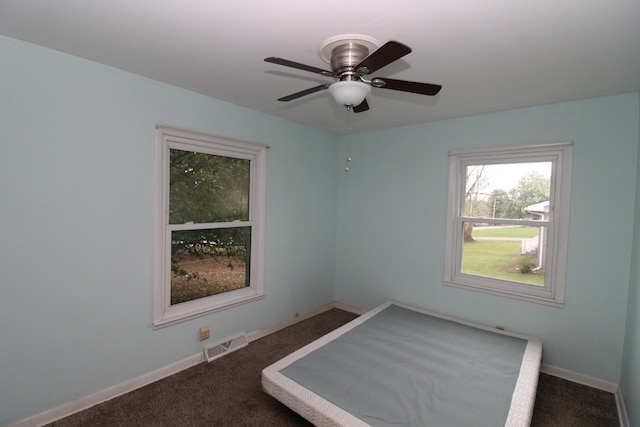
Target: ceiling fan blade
(363, 106)
(385, 55)
(299, 66)
(304, 92)
(406, 86)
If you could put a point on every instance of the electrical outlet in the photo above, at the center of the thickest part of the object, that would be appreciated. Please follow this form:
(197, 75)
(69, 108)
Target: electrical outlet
(204, 333)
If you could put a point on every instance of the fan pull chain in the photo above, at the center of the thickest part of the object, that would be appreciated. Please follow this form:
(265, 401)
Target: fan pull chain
(348, 134)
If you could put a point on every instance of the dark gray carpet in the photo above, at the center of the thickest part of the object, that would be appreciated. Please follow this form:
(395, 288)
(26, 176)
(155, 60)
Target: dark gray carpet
(227, 391)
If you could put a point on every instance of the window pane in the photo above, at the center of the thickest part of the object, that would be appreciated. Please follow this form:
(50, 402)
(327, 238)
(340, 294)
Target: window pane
(208, 262)
(514, 190)
(207, 188)
(504, 252)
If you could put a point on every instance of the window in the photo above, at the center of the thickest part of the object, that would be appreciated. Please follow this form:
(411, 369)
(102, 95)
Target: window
(507, 221)
(209, 224)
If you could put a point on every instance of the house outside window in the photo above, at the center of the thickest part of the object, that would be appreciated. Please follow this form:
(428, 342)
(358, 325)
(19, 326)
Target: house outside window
(507, 222)
(209, 224)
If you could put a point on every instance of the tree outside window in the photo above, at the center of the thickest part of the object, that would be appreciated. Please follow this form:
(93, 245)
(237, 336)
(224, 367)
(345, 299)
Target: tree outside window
(209, 215)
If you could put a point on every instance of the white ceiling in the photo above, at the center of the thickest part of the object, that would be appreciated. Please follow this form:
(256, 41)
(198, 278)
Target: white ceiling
(488, 55)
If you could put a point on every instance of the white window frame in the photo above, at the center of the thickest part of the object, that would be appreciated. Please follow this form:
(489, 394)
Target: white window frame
(166, 138)
(560, 155)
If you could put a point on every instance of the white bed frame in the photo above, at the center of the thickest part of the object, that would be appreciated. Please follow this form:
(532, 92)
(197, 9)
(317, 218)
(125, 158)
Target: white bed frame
(321, 412)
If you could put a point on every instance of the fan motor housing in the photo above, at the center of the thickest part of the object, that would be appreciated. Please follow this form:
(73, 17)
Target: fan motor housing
(345, 57)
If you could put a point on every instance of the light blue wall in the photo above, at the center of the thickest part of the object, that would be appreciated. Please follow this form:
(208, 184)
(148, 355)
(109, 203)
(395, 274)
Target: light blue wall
(76, 145)
(391, 224)
(76, 248)
(630, 378)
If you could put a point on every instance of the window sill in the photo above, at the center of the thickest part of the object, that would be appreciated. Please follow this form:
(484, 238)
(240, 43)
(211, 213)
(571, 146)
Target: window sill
(552, 302)
(175, 316)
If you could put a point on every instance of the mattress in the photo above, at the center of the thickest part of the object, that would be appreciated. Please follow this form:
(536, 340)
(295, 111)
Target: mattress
(401, 366)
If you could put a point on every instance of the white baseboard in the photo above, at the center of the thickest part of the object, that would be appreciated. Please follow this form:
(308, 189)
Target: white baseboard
(622, 410)
(579, 378)
(349, 308)
(594, 382)
(109, 393)
(252, 336)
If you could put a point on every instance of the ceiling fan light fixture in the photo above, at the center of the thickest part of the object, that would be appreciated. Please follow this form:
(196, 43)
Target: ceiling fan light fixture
(353, 56)
(349, 92)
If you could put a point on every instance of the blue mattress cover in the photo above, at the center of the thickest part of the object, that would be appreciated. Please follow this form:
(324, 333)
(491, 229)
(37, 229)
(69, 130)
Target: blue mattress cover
(406, 368)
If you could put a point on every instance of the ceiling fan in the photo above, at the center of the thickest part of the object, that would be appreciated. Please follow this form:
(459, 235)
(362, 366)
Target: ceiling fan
(350, 59)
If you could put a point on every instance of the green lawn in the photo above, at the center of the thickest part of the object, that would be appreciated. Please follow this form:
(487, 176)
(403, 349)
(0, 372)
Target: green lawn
(500, 259)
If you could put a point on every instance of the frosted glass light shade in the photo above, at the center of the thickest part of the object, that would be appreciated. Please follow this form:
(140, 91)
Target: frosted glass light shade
(349, 92)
